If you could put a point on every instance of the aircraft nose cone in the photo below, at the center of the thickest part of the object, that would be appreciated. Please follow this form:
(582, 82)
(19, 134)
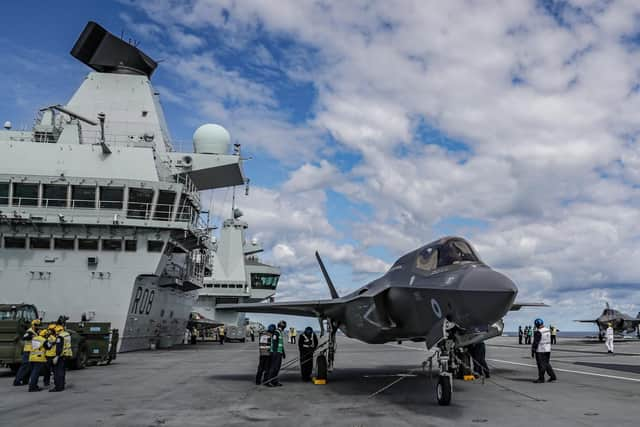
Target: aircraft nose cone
(487, 295)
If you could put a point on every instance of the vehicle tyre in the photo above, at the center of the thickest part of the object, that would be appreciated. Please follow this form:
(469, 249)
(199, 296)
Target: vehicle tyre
(443, 390)
(80, 362)
(321, 367)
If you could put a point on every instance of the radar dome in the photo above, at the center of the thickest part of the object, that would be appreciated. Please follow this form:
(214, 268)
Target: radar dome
(211, 139)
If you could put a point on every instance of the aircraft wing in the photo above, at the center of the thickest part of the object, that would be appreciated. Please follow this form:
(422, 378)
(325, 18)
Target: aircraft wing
(516, 306)
(318, 308)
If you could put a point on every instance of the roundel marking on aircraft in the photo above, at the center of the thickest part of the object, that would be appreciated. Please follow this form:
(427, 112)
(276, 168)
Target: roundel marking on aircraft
(436, 308)
(413, 278)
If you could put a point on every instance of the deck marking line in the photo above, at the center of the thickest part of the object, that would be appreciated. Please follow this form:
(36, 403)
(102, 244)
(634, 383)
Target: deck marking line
(615, 377)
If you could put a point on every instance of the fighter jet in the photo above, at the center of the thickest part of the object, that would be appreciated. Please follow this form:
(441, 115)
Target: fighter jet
(441, 293)
(620, 322)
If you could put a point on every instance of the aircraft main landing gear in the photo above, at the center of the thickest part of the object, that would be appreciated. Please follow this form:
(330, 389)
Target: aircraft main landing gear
(326, 356)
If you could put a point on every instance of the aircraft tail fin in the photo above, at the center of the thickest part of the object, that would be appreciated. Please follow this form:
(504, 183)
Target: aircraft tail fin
(332, 289)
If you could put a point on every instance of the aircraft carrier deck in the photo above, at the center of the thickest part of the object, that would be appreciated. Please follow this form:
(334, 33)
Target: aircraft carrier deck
(212, 385)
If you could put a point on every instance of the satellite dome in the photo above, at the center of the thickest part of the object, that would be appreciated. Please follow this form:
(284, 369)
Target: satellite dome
(211, 139)
(254, 241)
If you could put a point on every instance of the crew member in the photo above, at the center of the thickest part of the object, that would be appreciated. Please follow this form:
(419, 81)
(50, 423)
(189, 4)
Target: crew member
(478, 352)
(264, 347)
(541, 349)
(609, 338)
(63, 354)
(520, 334)
(50, 353)
(277, 354)
(221, 333)
(37, 360)
(22, 376)
(307, 345)
(293, 333)
(554, 334)
(529, 334)
(252, 333)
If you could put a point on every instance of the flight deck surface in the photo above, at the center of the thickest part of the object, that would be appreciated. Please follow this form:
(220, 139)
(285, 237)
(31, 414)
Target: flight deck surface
(213, 385)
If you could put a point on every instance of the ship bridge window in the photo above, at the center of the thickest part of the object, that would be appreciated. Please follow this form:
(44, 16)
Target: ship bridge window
(40, 243)
(66, 244)
(155, 245)
(226, 300)
(25, 194)
(83, 196)
(54, 195)
(264, 281)
(427, 259)
(455, 252)
(130, 245)
(140, 200)
(111, 245)
(88, 244)
(164, 206)
(4, 193)
(15, 242)
(111, 197)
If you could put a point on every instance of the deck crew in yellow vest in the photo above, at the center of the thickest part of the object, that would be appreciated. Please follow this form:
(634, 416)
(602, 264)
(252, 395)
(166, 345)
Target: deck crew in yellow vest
(63, 353)
(37, 359)
(50, 353)
(22, 376)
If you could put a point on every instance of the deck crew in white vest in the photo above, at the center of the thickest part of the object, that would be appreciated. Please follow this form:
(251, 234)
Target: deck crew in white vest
(541, 350)
(609, 338)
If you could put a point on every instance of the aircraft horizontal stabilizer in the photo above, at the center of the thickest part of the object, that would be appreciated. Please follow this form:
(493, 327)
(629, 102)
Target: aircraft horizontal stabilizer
(318, 308)
(587, 321)
(516, 306)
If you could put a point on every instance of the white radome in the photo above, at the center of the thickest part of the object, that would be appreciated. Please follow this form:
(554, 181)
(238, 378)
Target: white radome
(211, 139)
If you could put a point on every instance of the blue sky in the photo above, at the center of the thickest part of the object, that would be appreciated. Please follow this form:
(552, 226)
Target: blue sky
(377, 126)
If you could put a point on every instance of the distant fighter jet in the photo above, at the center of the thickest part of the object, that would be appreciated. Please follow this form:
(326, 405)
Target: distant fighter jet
(620, 322)
(441, 293)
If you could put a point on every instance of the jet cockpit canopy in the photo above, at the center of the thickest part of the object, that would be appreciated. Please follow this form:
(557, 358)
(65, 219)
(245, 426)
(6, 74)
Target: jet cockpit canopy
(443, 253)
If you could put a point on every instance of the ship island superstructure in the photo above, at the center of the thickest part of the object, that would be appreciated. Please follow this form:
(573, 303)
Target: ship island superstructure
(99, 217)
(237, 274)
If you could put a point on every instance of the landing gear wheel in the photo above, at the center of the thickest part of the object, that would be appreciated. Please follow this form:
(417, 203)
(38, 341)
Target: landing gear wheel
(83, 357)
(321, 367)
(443, 390)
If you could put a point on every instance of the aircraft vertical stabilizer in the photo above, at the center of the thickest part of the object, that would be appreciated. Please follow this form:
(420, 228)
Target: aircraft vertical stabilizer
(332, 289)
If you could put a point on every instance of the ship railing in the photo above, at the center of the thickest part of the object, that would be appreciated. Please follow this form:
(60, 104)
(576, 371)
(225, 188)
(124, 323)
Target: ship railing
(106, 208)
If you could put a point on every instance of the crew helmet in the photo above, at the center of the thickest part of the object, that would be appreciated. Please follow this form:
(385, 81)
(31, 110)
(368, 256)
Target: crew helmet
(538, 322)
(282, 324)
(308, 330)
(271, 328)
(44, 333)
(52, 327)
(59, 328)
(35, 322)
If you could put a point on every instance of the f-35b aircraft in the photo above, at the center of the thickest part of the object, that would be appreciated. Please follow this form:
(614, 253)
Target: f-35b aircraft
(441, 293)
(620, 322)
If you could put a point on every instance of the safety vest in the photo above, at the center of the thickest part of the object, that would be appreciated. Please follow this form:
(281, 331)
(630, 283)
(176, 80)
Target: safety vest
(27, 343)
(264, 343)
(51, 352)
(37, 350)
(306, 342)
(221, 331)
(294, 332)
(66, 343)
(544, 346)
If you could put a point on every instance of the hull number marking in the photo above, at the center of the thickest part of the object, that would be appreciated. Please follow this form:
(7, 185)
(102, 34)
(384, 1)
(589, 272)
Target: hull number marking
(143, 301)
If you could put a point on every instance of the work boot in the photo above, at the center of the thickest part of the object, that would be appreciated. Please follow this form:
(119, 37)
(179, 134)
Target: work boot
(538, 381)
(550, 380)
(33, 389)
(55, 390)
